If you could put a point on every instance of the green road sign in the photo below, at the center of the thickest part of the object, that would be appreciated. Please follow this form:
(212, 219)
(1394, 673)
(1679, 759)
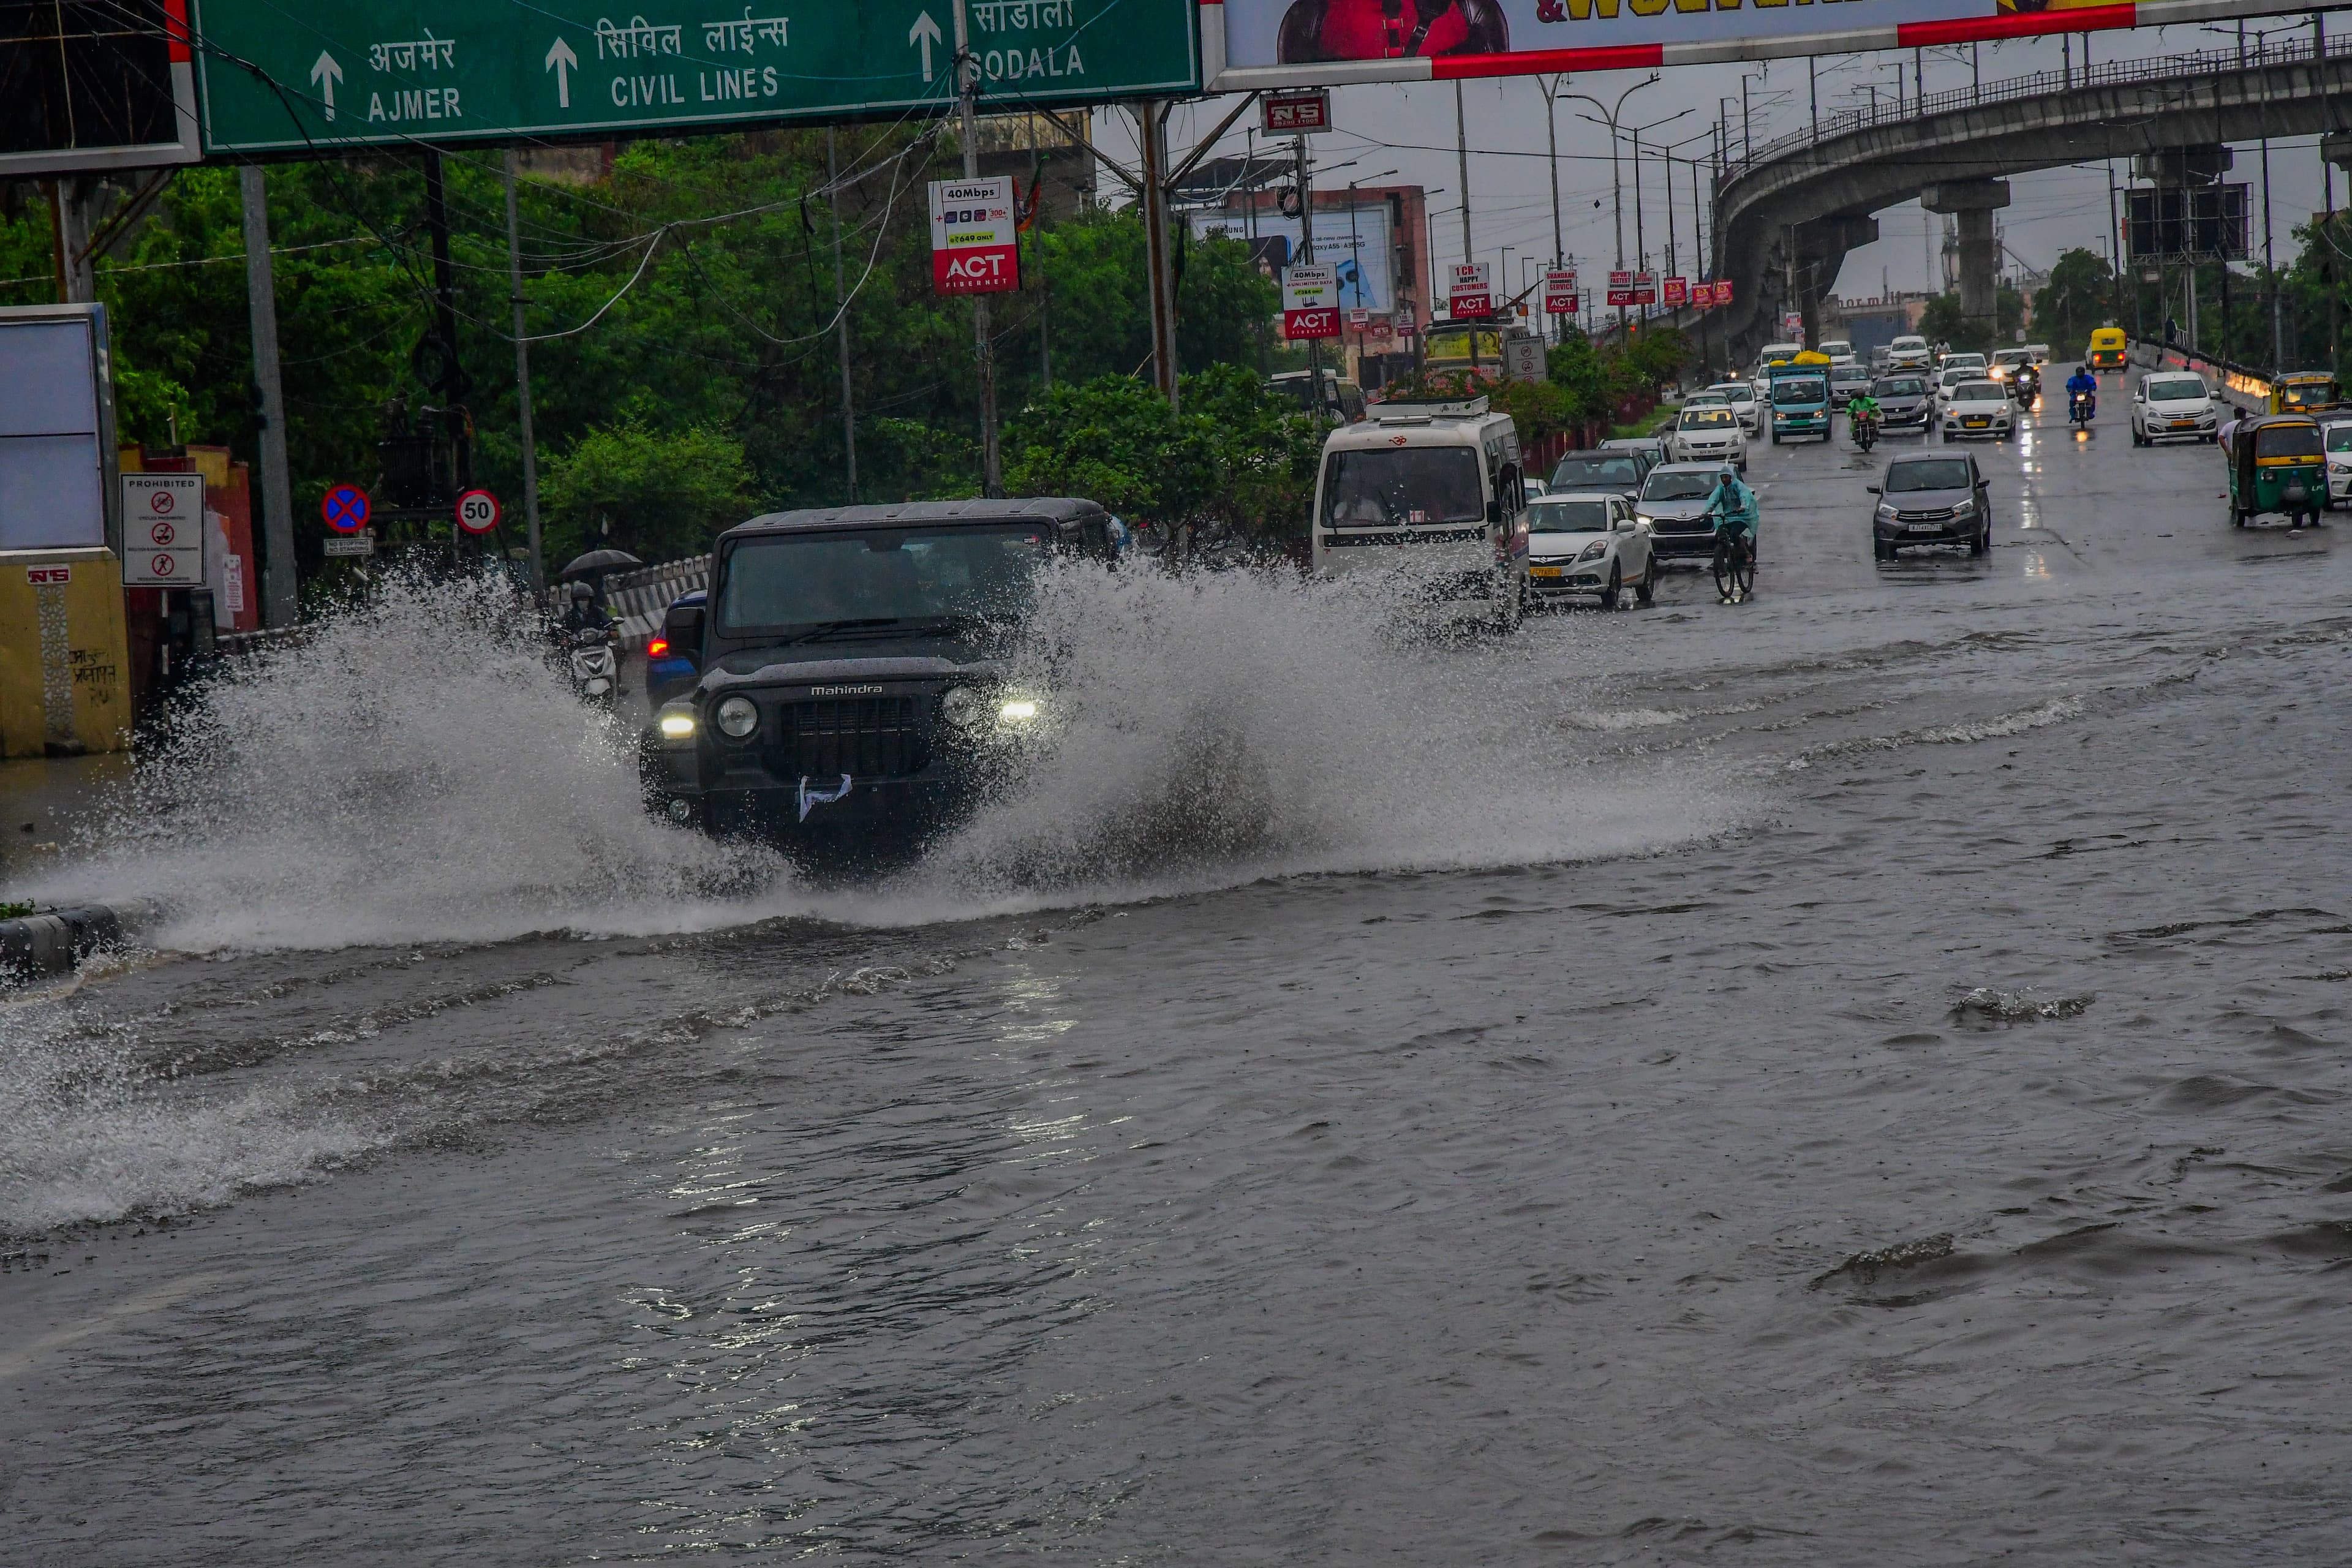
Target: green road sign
(324, 75)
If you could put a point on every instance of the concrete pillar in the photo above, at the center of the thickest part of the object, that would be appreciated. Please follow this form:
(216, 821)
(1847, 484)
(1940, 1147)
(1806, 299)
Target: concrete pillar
(1973, 203)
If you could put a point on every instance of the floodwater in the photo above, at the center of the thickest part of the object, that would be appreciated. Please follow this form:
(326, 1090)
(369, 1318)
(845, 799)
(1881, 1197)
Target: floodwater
(1855, 1077)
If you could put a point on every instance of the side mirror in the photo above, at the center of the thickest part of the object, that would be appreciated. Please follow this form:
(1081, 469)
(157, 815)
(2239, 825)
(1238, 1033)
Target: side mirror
(1495, 511)
(1874, 489)
(684, 626)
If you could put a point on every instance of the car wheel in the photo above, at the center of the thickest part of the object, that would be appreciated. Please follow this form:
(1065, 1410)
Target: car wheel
(1982, 542)
(1647, 593)
(1881, 549)
(1609, 594)
(1947, 437)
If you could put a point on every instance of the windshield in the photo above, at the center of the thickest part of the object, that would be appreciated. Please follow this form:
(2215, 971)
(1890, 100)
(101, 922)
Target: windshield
(1689, 484)
(2339, 437)
(1977, 392)
(2287, 441)
(1707, 418)
(1596, 474)
(886, 574)
(1800, 389)
(2176, 390)
(1930, 474)
(1396, 485)
(2012, 356)
(1568, 517)
(1902, 386)
(1743, 393)
(2294, 393)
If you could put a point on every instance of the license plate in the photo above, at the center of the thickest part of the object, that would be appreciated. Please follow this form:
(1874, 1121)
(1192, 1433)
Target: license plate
(1545, 571)
(2184, 425)
(1926, 527)
(1975, 424)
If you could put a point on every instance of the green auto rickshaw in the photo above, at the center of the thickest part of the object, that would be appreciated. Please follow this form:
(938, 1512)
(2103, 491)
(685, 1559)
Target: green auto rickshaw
(2277, 464)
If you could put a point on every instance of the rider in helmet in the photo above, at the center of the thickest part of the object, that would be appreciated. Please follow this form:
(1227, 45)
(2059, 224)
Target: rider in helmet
(2083, 382)
(585, 612)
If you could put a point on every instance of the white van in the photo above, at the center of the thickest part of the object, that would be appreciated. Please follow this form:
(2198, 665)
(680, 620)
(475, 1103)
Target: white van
(1434, 488)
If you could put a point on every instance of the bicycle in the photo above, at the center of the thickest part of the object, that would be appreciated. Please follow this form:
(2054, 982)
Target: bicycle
(1735, 564)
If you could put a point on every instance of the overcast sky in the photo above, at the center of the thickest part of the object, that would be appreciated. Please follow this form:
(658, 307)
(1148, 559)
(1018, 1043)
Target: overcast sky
(1410, 129)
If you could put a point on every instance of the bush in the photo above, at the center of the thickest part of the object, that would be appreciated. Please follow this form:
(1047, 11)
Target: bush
(658, 496)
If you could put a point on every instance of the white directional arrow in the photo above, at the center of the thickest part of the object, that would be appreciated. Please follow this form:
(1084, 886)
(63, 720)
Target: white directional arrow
(563, 62)
(926, 33)
(327, 73)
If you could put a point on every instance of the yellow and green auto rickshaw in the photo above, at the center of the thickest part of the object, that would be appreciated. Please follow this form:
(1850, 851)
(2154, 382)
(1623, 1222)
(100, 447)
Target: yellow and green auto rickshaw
(2277, 464)
(2109, 350)
(2306, 392)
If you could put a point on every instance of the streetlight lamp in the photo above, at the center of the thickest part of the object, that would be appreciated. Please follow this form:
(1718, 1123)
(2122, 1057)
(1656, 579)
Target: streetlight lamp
(1641, 246)
(1616, 193)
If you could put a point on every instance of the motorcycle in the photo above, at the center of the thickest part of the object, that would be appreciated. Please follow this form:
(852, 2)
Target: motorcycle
(593, 658)
(1865, 431)
(2080, 408)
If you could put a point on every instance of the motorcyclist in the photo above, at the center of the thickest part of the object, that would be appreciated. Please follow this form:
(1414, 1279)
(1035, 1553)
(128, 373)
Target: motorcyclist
(2083, 384)
(586, 614)
(1861, 406)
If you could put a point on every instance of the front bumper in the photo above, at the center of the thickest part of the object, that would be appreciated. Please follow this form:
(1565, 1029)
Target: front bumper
(2178, 429)
(1673, 544)
(1574, 578)
(1784, 425)
(1976, 430)
(2339, 486)
(1912, 419)
(1938, 531)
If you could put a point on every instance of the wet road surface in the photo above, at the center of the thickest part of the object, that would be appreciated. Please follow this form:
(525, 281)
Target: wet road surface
(1856, 1077)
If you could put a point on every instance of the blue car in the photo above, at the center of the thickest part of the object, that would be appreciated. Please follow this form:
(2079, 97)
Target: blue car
(669, 674)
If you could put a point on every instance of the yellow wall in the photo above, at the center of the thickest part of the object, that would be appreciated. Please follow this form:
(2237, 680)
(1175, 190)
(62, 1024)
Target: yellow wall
(65, 667)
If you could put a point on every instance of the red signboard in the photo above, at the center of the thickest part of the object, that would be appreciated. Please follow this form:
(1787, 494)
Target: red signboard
(1467, 293)
(1677, 291)
(1296, 113)
(1621, 288)
(1559, 293)
(975, 248)
(1645, 287)
(1323, 322)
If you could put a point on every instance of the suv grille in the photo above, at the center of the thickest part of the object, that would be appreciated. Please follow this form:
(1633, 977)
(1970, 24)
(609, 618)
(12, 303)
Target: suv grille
(868, 737)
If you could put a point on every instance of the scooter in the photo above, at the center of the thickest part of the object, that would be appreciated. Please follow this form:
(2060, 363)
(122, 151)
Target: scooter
(2029, 387)
(594, 663)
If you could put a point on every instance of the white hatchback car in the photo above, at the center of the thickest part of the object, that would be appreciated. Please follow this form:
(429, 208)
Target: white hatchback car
(2174, 405)
(1708, 431)
(1979, 408)
(1741, 395)
(1587, 542)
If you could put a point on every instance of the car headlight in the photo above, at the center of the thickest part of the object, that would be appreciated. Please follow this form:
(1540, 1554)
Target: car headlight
(737, 716)
(1645, 519)
(965, 707)
(1594, 551)
(1886, 512)
(677, 723)
(1017, 711)
(1965, 509)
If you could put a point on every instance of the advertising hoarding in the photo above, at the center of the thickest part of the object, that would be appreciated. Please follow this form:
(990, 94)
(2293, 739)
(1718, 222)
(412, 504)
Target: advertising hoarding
(1559, 293)
(1645, 287)
(1268, 43)
(975, 238)
(2177, 223)
(1677, 291)
(1358, 241)
(1621, 288)
(1296, 113)
(1309, 292)
(1466, 291)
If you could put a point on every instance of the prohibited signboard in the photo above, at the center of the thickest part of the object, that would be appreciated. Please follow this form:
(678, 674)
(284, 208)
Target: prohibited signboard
(345, 509)
(163, 520)
(477, 511)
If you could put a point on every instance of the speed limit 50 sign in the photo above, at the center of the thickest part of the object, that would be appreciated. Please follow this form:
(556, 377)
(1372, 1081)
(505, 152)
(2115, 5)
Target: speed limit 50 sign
(477, 511)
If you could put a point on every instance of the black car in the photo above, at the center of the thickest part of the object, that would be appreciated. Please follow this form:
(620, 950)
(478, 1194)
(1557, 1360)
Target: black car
(854, 685)
(1931, 500)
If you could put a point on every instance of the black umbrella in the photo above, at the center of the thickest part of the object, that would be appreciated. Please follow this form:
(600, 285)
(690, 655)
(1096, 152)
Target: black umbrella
(597, 563)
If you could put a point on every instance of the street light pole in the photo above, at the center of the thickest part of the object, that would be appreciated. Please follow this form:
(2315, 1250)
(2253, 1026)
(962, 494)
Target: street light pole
(1616, 188)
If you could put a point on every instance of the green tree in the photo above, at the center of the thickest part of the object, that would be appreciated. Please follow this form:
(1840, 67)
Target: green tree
(657, 495)
(2079, 295)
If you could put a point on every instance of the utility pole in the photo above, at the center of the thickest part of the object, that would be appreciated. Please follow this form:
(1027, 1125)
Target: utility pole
(841, 314)
(2270, 265)
(451, 387)
(983, 343)
(1551, 139)
(1813, 93)
(1745, 143)
(1151, 126)
(1307, 254)
(1462, 153)
(522, 390)
(2327, 176)
(281, 590)
(1641, 246)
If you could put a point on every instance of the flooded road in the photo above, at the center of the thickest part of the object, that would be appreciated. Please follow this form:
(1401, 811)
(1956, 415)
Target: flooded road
(1858, 1076)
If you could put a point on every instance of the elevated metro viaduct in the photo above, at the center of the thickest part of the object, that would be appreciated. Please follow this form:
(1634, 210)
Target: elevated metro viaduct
(1800, 203)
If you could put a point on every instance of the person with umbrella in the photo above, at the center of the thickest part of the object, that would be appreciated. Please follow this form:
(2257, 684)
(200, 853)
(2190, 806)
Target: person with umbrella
(586, 574)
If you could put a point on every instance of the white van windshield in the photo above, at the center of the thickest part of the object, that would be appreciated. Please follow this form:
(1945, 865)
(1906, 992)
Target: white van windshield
(1398, 485)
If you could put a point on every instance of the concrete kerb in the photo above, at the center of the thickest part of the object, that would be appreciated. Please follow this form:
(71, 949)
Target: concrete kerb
(53, 941)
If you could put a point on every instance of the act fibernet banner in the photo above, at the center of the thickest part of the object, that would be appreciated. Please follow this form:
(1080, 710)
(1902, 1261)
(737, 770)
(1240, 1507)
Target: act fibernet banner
(1293, 43)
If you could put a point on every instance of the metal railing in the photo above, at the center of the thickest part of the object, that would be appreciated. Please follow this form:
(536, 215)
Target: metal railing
(2039, 84)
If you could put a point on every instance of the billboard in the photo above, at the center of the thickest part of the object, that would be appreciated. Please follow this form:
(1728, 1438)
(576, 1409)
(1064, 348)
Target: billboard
(1271, 43)
(90, 87)
(1307, 289)
(975, 245)
(2185, 223)
(1356, 241)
